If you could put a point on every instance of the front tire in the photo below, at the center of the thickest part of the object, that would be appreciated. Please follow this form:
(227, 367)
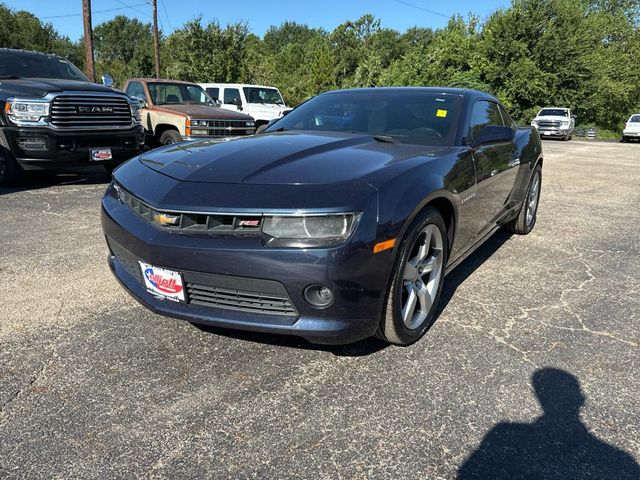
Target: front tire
(526, 219)
(169, 137)
(11, 173)
(417, 279)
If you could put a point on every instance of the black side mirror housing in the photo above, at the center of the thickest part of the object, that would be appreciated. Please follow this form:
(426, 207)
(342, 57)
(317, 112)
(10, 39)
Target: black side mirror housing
(493, 134)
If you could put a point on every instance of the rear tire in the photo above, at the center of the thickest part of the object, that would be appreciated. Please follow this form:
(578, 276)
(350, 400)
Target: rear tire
(169, 137)
(526, 219)
(416, 282)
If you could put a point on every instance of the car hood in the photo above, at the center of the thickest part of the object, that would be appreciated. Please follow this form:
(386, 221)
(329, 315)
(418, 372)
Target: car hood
(204, 112)
(39, 87)
(291, 158)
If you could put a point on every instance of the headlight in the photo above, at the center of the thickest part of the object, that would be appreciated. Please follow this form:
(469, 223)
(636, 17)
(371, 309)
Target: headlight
(29, 111)
(136, 109)
(565, 123)
(250, 124)
(534, 123)
(199, 123)
(309, 230)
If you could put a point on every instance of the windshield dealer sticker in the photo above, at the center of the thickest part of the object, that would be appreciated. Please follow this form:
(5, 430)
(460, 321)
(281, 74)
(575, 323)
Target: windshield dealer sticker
(162, 282)
(441, 113)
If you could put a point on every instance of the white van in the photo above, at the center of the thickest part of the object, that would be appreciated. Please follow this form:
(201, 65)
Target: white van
(262, 102)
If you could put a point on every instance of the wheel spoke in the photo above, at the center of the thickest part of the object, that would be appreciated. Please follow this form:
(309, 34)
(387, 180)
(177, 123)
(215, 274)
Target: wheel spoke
(431, 263)
(410, 305)
(423, 250)
(424, 297)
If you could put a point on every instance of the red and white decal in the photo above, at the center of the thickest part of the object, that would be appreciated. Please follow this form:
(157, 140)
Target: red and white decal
(162, 282)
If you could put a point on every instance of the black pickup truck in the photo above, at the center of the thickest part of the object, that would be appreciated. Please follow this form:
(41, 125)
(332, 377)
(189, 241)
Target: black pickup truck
(52, 117)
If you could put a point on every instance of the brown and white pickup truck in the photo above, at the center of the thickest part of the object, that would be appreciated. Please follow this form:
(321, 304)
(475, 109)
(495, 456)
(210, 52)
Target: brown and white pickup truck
(173, 111)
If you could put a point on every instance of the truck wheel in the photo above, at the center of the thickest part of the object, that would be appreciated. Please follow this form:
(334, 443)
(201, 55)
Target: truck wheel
(417, 281)
(169, 137)
(261, 129)
(11, 173)
(526, 218)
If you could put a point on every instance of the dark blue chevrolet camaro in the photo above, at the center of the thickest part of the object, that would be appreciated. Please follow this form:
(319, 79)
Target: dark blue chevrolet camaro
(338, 223)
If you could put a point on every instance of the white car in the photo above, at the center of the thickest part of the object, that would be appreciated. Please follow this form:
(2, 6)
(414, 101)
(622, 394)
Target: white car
(262, 102)
(632, 128)
(555, 122)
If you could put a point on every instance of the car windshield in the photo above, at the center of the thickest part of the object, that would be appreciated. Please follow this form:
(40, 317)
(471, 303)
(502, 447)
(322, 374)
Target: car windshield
(634, 119)
(30, 65)
(403, 116)
(164, 93)
(553, 112)
(263, 95)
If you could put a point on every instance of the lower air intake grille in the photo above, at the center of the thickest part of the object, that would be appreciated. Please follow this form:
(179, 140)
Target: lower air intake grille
(239, 300)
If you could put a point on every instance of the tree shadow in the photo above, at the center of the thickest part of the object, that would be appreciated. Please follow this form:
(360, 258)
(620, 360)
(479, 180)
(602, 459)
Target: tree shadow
(555, 446)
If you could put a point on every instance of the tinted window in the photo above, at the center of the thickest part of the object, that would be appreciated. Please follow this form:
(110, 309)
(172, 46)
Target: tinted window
(29, 65)
(553, 112)
(506, 118)
(406, 116)
(483, 113)
(262, 95)
(214, 92)
(232, 96)
(135, 90)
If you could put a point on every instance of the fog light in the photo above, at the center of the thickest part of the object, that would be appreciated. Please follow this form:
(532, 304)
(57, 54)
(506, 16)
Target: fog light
(198, 131)
(318, 295)
(30, 143)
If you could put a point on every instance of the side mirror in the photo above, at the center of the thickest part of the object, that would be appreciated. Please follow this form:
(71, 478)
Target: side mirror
(141, 101)
(287, 112)
(107, 80)
(493, 134)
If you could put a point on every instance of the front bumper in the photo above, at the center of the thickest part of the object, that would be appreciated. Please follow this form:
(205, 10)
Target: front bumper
(631, 134)
(71, 148)
(553, 132)
(357, 278)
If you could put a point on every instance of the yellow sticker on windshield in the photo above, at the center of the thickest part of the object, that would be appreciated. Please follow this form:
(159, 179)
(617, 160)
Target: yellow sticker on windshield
(441, 113)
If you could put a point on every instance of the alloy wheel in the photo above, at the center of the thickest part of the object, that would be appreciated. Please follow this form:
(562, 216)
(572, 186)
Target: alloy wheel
(532, 199)
(421, 276)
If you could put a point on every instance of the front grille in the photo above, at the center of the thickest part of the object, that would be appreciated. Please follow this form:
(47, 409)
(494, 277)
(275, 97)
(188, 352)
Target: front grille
(549, 124)
(90, 111)
(251, 295)
(217, 132)
(244, 301)
(213, 223)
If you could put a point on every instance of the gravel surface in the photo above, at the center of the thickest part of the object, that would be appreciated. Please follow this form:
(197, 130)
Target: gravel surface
(92, 385)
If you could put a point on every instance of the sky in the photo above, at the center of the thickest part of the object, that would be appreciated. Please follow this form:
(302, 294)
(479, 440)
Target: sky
(65, 15)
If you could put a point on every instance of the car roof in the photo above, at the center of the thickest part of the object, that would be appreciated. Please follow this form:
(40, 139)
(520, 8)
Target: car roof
(32, 53)
(235, 85)
(160, 80)
(555, 108)
(465, 92)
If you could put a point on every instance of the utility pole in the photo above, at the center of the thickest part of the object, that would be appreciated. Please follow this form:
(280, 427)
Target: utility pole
(90, 67)
(156, 40)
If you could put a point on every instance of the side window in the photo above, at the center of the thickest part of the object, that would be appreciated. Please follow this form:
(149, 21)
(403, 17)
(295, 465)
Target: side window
(214, 92)
(232, 96)
(135, 90)
(483, 113)
(506, 118)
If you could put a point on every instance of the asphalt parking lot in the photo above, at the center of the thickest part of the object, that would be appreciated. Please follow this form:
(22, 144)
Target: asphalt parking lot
(93, 385)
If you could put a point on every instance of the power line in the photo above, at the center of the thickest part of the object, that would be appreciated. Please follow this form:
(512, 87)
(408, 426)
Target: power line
(94, 12)
(432, 12)
(166, 14)
(132, 7)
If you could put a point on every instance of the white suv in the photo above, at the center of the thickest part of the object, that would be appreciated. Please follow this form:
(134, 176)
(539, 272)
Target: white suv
(632, 128)
(263, 103)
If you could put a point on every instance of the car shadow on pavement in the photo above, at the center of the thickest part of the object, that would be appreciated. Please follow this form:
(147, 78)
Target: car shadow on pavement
(459, 274)
(557, 445)
(357, 349)
(39, 180)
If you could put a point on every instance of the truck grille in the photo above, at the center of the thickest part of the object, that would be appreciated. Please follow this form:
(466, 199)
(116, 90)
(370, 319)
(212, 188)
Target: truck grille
(549, 124)
(90, 111)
